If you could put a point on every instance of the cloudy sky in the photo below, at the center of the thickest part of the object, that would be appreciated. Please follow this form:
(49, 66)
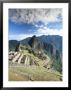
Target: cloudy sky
(28, 22)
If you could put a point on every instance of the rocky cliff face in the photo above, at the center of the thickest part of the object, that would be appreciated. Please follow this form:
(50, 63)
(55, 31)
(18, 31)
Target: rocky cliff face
(35, 43)
(18, 47)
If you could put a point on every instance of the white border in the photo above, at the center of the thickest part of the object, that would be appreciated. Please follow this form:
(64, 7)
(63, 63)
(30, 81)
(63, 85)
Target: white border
(7, 83)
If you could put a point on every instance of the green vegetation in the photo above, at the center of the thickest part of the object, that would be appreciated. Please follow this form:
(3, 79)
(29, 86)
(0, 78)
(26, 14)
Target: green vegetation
(41, 72)
(36, 60)
(57, 65)
(33, 73)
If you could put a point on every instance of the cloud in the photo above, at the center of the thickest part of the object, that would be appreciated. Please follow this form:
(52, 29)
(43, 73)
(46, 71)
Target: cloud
(39, 26)
(35, 15)
(39, 32)
(40, 18)
(47, 31)
(19, 37)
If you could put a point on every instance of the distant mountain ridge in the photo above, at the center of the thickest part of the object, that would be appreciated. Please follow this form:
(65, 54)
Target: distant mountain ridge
(55, 40)
(12, 44)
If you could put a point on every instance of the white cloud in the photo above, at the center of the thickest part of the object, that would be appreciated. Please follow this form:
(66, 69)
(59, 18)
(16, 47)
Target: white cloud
(19, 37)
(34, 15)
(39, 26)
(39, 32)
(47, 31)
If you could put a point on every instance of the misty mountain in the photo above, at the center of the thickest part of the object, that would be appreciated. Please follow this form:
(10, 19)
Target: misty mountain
(52, 39)
(51, 43)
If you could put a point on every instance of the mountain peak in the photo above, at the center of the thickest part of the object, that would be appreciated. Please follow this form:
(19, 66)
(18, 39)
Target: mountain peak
(34, 36)
(33, 41)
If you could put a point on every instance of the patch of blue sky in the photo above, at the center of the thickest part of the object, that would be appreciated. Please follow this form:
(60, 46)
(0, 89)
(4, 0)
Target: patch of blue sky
(39, 23)
(55, 25)
(23, 28)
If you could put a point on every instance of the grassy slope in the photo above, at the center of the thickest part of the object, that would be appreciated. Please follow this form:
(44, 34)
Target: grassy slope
(32, 73)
